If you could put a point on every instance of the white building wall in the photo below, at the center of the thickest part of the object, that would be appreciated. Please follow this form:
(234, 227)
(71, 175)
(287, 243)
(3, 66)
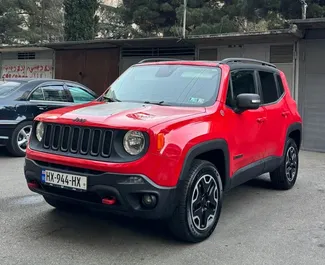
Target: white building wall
(31, 64)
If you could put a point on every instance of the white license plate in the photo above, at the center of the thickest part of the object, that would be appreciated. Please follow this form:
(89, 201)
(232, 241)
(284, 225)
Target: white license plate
(64, 180)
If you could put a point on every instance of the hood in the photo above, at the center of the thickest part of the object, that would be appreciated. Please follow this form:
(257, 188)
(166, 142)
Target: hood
(119, 114)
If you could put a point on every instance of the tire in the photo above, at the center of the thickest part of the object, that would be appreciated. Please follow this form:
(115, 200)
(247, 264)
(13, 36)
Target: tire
(285, 176)
(13, 145)
(60, 205)
(184, 224)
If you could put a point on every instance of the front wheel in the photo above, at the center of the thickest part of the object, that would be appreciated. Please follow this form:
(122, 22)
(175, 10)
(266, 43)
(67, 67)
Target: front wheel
(19, 139)
(285, 176)
(199, 207)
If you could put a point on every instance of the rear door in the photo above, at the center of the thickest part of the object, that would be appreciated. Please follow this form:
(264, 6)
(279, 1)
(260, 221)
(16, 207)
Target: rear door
(277, 112)
(47, 97)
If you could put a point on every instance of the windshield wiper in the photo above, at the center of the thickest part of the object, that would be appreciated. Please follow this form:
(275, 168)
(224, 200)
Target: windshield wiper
(156, 103)
(108, 99)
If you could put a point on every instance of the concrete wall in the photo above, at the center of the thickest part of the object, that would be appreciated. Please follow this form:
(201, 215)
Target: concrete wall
(311, 89)
(259, 51)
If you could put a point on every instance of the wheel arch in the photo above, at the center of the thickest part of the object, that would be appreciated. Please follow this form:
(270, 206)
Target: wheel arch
(214, 151)
(295, 132)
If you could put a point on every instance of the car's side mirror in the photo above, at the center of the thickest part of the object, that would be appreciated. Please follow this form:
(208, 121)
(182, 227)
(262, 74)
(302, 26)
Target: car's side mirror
(247, 102)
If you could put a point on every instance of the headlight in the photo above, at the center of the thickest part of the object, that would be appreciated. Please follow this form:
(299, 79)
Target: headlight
(40, 131)
(134, 142)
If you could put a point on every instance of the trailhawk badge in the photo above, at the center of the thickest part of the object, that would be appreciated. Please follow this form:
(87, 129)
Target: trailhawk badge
(79, 120)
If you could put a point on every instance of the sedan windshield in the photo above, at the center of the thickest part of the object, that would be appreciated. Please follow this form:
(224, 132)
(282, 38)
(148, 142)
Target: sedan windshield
(176, 85)
(6, 88)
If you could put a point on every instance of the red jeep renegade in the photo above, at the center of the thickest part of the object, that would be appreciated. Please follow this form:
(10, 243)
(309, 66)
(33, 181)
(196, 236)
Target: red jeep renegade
(167, 139)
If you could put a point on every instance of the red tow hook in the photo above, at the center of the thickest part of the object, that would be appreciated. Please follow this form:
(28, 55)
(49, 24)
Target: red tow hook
(109, 201)
(33, 185)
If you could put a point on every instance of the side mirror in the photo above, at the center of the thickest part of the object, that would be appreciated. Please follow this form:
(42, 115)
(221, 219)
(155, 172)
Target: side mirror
(247, 102)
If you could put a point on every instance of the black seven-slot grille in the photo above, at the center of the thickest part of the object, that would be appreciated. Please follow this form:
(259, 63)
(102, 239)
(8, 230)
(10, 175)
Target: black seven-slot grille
(78, 140)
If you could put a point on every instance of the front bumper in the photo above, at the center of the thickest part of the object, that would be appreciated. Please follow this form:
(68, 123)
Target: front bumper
(6, 131)
(102, 185)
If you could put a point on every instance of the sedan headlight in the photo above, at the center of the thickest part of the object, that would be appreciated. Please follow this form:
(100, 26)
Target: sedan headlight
(40, 131)
(134, 142)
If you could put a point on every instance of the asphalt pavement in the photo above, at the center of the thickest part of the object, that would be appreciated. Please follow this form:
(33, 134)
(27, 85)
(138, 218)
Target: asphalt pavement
(258, 225)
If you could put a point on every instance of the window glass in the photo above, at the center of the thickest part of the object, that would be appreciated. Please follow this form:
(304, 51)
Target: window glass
(243, 82)
(177, 85)
(37, 95)
(79, 95)
(269, 89)
(280, 83)
(7, 88)
(229, 99)
(50, 93)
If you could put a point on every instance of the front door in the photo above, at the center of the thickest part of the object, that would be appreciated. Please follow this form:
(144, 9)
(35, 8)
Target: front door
(247, 149)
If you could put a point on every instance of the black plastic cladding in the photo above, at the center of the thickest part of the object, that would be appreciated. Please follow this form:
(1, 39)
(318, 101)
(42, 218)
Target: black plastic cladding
(84, 142)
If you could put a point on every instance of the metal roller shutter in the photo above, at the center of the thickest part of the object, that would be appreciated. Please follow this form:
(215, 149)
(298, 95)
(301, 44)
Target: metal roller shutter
(314, 97)
(282, 57)
(132, 56)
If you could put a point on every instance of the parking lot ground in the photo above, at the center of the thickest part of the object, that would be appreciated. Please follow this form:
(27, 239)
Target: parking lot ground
(258, 225)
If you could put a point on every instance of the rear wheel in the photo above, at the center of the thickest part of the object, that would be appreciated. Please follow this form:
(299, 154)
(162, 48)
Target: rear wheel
(285, 176)
(198, 211)
(19, 139)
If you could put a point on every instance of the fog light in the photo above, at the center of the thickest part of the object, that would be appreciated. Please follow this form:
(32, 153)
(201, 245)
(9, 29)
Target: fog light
(149, 200)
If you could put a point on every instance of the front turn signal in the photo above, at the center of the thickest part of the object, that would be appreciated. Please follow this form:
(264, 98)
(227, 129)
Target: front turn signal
(160, 141)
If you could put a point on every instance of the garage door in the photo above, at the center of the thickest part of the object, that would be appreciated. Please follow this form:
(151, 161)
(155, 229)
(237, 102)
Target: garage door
(313, 97)
(131, 56)
(27, 65)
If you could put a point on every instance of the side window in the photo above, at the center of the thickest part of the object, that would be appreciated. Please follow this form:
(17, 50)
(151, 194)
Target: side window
(55, 93)
(79, 95)
(269, 88)
(243, 81)
(37, 94)
(280, 84)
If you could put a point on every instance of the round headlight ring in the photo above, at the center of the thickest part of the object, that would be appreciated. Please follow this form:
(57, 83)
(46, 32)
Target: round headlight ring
(39, 131)
(134, 142)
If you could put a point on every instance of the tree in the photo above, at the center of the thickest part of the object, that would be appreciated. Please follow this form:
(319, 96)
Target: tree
(10, 22)
(112, 25)
(43, 20)
(81, 20)
(153, 17)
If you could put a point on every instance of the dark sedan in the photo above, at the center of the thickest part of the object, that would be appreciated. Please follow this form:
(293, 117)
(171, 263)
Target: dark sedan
(21, 100)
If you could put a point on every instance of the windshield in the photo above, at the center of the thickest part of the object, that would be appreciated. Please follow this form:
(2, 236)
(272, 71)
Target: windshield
(6, 88)
(177, 85)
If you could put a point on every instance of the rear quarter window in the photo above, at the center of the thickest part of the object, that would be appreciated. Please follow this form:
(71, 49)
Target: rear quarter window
(280, 84)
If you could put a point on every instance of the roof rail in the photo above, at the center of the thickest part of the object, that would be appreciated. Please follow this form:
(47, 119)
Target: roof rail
(246, 60)
(158, 60)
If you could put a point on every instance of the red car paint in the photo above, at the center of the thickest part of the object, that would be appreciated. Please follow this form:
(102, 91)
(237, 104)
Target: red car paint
(184, 127)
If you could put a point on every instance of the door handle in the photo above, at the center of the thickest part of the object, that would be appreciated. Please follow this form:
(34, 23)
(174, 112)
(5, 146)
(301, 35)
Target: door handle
(261, 120)
(42, 107)
(285, 114)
